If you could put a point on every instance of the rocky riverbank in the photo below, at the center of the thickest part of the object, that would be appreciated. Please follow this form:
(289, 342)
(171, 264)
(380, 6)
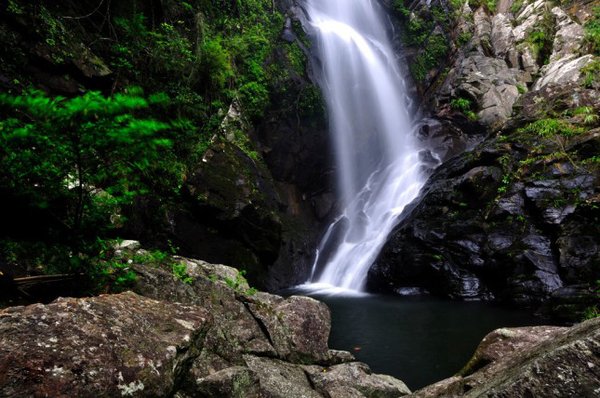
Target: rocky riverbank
(202, 331)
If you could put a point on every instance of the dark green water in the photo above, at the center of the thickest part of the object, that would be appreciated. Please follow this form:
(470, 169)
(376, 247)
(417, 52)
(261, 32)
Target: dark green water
(419, 340)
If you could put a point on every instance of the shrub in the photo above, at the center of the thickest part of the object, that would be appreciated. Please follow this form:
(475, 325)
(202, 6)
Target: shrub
(592, 32)
(80, 159)
(552, 127)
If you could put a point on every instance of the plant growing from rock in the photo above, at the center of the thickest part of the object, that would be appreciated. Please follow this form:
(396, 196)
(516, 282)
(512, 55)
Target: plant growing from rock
(180, 272)
(592, 32)
(465, 106)
(239, 284)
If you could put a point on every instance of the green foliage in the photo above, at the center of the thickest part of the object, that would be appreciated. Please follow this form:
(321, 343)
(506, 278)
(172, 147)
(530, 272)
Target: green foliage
(540, 43)
(153, 258)
(239, 284)
(215, 67)
(255, 97)
(118, 275)
(461, 104)
(591, 74)
(587, 114)
(552, 128)
(592, 32)
(465, 106)
(516, 6)
(81, 159)
(506, 181)
(180, 272)
(463, 38)
(541, 39)
(34, 256)
(163, 51)
(594, 310)
(489, 4)
(435, 50)
(311, 102)
(400, 8)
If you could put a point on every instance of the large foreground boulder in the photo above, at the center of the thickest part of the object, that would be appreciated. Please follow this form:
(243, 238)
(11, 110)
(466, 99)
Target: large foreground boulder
(110, 345)
(198, 332)
(529, 362)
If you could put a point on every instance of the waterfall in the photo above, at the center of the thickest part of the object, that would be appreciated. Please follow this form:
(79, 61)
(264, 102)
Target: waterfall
(378, 165)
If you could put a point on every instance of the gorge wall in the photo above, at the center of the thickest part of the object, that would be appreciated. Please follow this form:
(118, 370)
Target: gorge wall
(514, 219)
(253, 163)
(512, 94)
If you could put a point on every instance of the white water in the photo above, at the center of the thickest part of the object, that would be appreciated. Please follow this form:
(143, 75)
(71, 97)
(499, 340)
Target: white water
(377, 157)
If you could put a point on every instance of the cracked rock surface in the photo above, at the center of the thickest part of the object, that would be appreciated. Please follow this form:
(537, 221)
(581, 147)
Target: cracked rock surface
(110, 345)
(204, 338)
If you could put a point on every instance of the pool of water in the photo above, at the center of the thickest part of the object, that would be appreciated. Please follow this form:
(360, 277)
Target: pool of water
(419, 340)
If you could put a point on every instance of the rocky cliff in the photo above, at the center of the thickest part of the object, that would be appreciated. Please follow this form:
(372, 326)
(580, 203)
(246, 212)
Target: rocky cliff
(516, 218)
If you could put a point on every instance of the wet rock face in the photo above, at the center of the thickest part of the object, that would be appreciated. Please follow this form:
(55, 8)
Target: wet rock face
(206, 337)
(535, 361)
(516, 218)
(500, 223)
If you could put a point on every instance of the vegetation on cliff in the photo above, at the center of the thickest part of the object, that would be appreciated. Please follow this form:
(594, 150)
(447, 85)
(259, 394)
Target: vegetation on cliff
(109, 109)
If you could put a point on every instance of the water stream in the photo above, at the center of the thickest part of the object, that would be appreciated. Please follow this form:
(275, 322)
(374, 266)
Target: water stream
(379, 171)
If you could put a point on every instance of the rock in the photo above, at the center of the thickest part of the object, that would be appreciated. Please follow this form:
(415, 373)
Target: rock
(483, 31)
(514, 217)
(280, 379)
(564, 70)
(502, 37)
(298, 328)
(446, 137)
(477, 234)
(234, 382)
(529, 62)
(111, 345)
(355, 377)
(233, 210)
(537, 361)
(527, 16)
(128, 245)
(571, 302)
(497, 104)
(569, 36)
(208, 336)
(491, 83)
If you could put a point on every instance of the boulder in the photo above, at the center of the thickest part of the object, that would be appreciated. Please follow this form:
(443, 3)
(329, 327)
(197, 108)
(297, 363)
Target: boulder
(201, 333)
(500, 223)
(568, 38)
(564, 70)
(533, 361)
(490, 83)
(111, 345)
(357, 379)
(502, 36)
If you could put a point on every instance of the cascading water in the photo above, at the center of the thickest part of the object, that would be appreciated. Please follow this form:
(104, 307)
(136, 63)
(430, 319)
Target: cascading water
(379, 171)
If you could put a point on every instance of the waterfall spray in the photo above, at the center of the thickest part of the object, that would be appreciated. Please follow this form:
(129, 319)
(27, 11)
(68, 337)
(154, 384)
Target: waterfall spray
(379, 171)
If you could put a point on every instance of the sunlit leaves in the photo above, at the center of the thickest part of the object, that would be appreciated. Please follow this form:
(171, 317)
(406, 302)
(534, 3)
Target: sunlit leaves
(91, 151)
